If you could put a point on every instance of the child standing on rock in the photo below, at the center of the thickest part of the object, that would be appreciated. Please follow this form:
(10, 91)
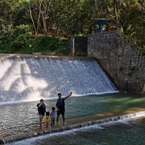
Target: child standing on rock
(47, 119)
(53, 116)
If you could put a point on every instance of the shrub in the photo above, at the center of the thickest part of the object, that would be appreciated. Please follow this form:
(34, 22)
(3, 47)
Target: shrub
(49, 44)
(20, 42)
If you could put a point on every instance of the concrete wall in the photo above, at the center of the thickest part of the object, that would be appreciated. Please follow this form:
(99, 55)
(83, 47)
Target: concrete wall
(121, 61)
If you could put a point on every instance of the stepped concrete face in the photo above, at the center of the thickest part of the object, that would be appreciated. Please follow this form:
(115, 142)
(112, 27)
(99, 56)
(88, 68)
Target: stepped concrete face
(26, 78)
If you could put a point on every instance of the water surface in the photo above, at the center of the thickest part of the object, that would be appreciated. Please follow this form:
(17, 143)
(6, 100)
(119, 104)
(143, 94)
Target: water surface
(23, 116)
(126, 132)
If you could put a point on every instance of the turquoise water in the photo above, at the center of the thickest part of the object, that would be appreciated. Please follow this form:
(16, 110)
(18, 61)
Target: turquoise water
(90, 105)
(24, 115)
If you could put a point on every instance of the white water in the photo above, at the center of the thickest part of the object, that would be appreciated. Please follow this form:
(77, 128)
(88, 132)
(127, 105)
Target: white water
(124, 120)
(34, 78)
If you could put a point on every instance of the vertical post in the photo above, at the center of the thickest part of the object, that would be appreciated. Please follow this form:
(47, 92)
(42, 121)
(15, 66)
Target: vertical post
(100, 28)
(126, 87)
(73, 46)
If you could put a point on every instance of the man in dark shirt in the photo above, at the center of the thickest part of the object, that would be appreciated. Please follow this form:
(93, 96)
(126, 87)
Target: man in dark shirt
(60, 105)
(41, 112)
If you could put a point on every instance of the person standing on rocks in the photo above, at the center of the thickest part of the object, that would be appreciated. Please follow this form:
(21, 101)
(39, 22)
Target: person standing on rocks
(41, 112)
(53, 116)
(60, 105)
(47, 119)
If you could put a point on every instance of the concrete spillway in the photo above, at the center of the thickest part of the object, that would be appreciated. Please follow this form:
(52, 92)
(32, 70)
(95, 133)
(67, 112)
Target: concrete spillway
(33, 78)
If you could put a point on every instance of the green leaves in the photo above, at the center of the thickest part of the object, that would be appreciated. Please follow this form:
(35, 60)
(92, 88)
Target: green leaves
(60, 18)
(48, 44)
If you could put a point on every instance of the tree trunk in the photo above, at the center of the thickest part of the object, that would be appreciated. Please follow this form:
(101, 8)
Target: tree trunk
(33, 23)
(116, 15)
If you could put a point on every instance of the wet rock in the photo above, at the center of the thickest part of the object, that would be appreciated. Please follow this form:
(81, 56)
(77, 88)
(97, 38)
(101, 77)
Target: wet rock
(90, 123)
(35, 133)
(1, 142)
(83, 124)
(17, 137)
(40, 133)
(94, 122)
(55, 130)
(68, 128)
(74, 126)
(99, 121)
(64, 128)
(47, 131)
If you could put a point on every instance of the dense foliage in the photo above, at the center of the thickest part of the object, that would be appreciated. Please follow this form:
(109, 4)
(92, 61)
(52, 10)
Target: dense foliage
(23, 21)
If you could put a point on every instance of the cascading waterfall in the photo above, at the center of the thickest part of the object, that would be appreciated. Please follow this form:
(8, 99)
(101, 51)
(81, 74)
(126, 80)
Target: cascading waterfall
(33, 78)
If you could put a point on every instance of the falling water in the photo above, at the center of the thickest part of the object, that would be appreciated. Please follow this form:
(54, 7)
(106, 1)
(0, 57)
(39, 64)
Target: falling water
(33, 78)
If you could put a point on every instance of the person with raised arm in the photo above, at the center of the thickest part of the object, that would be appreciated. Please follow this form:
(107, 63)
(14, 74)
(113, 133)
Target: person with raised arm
(60, 105)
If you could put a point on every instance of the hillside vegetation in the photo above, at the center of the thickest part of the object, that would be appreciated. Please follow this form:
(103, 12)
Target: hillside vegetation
(28, 26)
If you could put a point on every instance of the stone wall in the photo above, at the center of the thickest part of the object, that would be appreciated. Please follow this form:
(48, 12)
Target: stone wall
(121, 61)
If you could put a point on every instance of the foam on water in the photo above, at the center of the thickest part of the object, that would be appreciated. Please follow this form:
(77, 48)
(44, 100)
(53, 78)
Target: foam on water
(102, 125)
(32, 140)
(29, 79)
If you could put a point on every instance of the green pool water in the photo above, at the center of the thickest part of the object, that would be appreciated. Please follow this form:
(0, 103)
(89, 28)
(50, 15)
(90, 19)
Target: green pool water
(89, 105)
(24, 115)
